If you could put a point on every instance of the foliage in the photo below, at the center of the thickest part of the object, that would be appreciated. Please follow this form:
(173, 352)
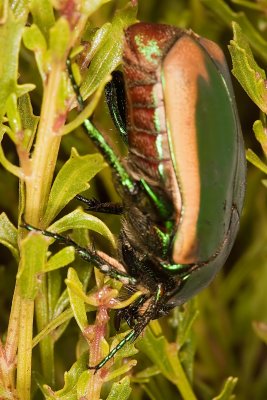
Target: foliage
(54, 307)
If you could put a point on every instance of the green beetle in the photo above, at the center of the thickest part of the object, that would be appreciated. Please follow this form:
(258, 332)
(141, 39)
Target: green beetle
(182, 183)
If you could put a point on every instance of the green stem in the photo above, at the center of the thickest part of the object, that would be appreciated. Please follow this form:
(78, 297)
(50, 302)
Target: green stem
(47, 344)
(182, 383)
(25, 349)
(11, 344)
(45, 152)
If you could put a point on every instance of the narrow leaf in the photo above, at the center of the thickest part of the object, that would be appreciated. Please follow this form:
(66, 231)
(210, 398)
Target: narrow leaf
(165, 356)
(43, 15)
(89, 7)
(10, 37)
(33, 257)
(35, 41)
(29, 121)
(261, 135)
(256, 161)
(80, 219)
(227, 391)
(109, 54)
(60, 259)
(120, 390)
(76, 302)
(59, 39)
(98, 39)
(8, 235)
(57, 322)
(72, 179)
(226, 14)
(251, 77)
(71, 378)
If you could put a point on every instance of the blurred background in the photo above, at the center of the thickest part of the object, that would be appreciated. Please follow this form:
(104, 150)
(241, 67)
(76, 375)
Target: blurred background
(229, 334)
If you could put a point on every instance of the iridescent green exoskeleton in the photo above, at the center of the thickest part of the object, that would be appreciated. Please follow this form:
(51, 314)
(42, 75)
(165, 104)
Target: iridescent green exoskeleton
(182, 182)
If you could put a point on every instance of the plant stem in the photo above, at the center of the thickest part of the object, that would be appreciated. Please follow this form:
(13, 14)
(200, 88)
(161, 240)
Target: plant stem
(25, 349)
(37, 191)
(11, 344)
(183, 384)
(47, 344)
(46, 150)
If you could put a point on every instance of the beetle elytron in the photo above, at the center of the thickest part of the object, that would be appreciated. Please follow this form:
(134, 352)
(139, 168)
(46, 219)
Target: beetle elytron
(182, 183)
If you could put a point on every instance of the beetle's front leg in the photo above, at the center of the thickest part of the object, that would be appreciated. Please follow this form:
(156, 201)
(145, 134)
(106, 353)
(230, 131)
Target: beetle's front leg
(98, 206)
(106, 264)
(124, 178)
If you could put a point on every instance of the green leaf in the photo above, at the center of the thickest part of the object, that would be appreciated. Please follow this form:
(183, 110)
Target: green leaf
(8, 235)
(250, 5)
(228, 388)
(226, 14)
(88, 109)
(146, 374)
(165, 357)
(33, 258)
(13, 114)
(13, 169)
(109, 54)
(80, 219)
(83, 384)
(59, 39)
(43, 15)
(261, 135)
(89, 7)
(185, 335)
(120, 390)
(71, 378)
(122, 361)
(72, 179)
(23, 89)
(57, 322)
(60, 259)
(29, 121)
(10, 37)
(124, 369)
(186, 319)
(98, 40)
(251, 77)
(35, 41)
(256, 161)
(54, 283)
(76, 301)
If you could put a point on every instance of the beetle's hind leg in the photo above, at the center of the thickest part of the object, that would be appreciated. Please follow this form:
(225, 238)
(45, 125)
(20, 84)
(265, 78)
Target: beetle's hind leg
(106, 264)
(98, 206)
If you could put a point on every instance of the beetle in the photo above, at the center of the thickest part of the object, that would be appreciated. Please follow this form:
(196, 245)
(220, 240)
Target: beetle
(182, 183)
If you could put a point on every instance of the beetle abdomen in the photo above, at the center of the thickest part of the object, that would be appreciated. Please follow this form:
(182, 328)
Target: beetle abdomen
(149, 149)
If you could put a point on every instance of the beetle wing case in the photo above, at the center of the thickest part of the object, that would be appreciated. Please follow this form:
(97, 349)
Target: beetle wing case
(185, 140)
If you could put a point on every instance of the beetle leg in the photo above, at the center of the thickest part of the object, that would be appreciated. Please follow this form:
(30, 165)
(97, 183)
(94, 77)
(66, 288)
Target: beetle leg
(142, 321)
(115, 98)
(104, 264)
(129, 314)
(125, 180)
(98, 206)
